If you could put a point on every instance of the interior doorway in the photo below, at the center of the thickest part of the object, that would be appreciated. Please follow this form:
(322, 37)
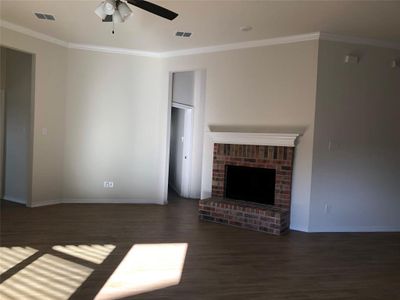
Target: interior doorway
(16, 106)
(180, 148)
(186, 130)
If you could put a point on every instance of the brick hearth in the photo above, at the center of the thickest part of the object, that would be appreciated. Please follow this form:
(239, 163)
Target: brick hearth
(248, 215)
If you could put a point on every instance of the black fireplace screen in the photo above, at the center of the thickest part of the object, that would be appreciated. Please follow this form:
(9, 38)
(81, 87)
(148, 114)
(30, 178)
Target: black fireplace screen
(250, 184)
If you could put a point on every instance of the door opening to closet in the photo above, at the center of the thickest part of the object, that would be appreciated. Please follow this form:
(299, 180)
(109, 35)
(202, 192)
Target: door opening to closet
(180, 149)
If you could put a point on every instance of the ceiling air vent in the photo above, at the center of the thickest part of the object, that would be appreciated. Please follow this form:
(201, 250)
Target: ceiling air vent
(183, 34)
(42, 16)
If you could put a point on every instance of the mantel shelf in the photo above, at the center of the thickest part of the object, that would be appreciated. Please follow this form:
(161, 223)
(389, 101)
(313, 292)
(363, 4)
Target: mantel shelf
(245, 138)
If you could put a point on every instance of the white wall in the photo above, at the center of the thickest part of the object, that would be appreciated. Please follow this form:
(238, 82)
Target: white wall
(183, 87)
(113, 115)
(50, 82)
(261, 89)
(176, 149)
(2, 113)
(358, 114)
(18, 96)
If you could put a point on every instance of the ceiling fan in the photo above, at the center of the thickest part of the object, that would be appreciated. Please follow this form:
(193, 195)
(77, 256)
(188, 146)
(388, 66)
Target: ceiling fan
(117, 11)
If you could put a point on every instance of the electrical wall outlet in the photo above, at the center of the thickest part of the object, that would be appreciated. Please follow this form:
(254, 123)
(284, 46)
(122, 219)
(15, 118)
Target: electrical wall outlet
(108, 184)
(327, 208)
(351, 59)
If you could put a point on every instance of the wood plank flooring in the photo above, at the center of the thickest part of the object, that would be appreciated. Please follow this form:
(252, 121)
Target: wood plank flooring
(222, 262)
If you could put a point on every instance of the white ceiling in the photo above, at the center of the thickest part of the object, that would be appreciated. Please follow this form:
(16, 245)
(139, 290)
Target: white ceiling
(212, 22)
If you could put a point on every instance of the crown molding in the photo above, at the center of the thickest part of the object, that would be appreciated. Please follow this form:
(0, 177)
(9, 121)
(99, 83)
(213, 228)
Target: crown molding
(357, 40)
(50, 39)
(114, 50)
(32, 33)
(203, 50)
(244, 45)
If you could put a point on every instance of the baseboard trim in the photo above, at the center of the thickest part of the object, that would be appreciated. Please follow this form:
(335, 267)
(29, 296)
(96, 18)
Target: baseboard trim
(299, 228)
(90, 201)
(356, 229)
(13, 199)
(47, 203)
(111, 201)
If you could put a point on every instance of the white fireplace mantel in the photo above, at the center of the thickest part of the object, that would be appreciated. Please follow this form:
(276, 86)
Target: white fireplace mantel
(244, 138)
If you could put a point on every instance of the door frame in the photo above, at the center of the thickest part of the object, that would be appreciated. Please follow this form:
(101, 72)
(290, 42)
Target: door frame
(197, 134)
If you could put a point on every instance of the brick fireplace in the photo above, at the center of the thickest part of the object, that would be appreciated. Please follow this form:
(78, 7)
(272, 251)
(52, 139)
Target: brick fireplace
(273, 217)
(270, 157)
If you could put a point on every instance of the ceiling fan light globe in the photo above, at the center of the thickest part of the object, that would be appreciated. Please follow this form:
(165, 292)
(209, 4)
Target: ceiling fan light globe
(109, 7)
(100, 11)
(117, 18)
(124, 10)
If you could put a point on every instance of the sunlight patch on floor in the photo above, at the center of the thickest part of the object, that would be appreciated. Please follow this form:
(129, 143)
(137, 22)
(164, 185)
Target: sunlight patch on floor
(146, 267)
(11, 256)
(48, 277)
(93, 253)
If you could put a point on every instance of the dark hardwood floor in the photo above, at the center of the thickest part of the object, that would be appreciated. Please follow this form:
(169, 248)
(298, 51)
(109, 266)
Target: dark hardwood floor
(222, 262)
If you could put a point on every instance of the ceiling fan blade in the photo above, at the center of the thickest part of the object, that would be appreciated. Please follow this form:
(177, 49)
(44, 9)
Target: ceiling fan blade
(108, 18)
(153, 8)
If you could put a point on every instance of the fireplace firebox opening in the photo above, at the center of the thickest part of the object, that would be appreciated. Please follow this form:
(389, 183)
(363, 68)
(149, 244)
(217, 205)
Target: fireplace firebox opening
(250, 184)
